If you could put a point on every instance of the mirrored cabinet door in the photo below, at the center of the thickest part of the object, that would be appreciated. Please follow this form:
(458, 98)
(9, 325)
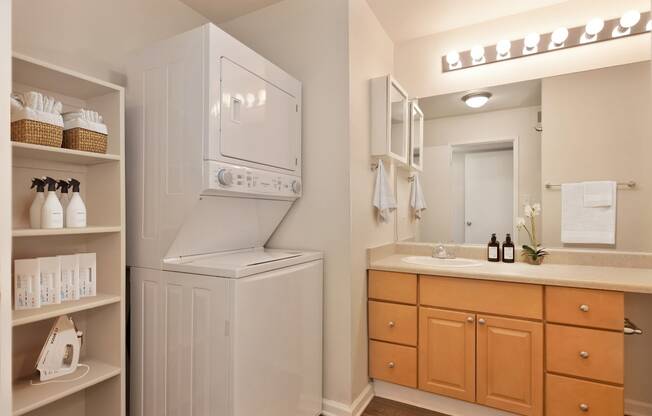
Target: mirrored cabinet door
(416, 136)
(390, 120)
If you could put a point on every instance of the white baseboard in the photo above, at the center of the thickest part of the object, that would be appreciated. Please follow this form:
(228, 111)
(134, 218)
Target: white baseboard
(333, 408)
(636, 408)
(433, 402)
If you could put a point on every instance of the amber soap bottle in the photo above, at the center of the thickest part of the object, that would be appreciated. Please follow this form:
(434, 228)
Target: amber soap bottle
(493, 249)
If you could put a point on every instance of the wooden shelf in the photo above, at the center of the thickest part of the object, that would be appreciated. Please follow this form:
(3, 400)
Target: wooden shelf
(40, 232)
(27, 398)
(28, 316)
(58, 154)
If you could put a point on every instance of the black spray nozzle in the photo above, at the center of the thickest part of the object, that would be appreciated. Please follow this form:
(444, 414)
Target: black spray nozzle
(74, 183)
(39, 184)
(63, 186)
(51, 183)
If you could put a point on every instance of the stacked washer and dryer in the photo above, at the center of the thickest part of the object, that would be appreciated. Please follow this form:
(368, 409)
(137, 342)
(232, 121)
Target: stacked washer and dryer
(220, 325)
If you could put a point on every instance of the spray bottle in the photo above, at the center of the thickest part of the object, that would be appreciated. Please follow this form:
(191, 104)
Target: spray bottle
(76, 211)
(52, 212)
(37, 204)
(64, 197)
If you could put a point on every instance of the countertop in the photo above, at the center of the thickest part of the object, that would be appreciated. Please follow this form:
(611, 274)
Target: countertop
(623, 279)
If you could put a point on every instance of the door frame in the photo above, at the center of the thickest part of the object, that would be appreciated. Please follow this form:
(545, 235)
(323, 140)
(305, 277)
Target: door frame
(515, 150)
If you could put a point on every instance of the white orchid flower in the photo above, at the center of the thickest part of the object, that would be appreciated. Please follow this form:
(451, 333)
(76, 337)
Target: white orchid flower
(528, 211)
(536, 209)
(520, 222)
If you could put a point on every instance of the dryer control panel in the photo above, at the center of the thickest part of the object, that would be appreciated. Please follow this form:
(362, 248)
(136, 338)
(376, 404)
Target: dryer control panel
(233, 178)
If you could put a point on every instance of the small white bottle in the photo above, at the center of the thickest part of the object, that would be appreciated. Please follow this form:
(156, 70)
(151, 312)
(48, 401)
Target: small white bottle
(64, 197)
(76, 211)
(37, 204)
(52, 212)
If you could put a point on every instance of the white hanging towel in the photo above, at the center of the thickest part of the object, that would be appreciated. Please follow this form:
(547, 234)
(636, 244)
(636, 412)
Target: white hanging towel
(417, 199)
(588, 214)
(383, 197)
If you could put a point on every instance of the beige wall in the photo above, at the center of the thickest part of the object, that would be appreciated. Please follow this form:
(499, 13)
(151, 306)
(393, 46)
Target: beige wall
(94, 37)
(597, 127)
(418, 61)
(371, 55)
(436, 179)
(309, 39)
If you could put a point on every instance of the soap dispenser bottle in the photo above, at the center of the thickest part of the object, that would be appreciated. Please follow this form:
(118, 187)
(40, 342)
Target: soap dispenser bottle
(76, 211)
(64, 197)
(37, 204)
(52, 212)
(493, 249)
(508, 250)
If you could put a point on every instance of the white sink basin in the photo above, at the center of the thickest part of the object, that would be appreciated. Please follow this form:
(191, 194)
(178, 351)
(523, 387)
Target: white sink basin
(433, 261)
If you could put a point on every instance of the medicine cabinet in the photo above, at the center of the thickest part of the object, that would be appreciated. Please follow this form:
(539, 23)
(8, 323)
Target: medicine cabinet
(390, 120)
(416, 136)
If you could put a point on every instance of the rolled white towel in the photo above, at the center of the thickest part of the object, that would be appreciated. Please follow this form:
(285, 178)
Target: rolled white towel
(16, 102)
(31, 100)
(48, 103)
(58, 107)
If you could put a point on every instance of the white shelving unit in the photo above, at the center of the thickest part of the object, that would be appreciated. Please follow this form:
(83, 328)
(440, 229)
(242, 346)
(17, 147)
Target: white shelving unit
(101, 318)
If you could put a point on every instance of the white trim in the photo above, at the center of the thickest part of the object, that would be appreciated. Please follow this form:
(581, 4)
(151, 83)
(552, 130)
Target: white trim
(637, 408)
(333, 408)
(433, 402)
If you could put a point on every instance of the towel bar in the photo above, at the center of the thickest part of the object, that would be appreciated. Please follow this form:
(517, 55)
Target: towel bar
(629, 185)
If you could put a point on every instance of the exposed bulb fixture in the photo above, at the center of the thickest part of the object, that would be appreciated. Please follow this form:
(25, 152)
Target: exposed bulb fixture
(559, 36)
(502, 48)
(648, 26)
(477, 54)
(629, 19)
(593, 27)
(453, 58)
(531, 42)
(476, 99)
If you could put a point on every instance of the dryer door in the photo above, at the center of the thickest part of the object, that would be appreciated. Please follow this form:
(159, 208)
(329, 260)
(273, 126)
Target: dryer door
(260, 122)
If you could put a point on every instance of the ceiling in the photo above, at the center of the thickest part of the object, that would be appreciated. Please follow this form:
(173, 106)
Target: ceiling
(218, 11)
(411, 19)
(518, 94)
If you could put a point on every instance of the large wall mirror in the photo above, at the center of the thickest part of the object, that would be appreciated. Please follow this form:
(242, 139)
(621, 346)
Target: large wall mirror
(484, 165)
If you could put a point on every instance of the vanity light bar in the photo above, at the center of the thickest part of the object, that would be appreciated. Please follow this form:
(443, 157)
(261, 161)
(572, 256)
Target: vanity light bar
(561, 38)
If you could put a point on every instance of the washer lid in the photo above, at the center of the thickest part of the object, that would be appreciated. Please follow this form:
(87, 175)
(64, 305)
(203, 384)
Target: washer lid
(240, 263)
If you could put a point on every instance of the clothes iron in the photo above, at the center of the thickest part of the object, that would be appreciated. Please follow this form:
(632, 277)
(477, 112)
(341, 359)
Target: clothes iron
(60, 354)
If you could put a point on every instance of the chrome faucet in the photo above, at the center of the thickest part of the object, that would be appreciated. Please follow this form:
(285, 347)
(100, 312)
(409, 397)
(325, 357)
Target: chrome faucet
(439, 252)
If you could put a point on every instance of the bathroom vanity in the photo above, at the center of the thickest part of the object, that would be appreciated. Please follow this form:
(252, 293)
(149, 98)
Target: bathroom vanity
(529, 340)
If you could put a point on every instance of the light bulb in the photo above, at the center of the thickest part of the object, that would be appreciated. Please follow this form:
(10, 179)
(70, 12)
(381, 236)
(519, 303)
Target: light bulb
(648, 26)
(559, 36)
(503, 47)
(531, 41)
(629, 19)
(593, 27)
(476, 99)
(453, 57)
(477, 53)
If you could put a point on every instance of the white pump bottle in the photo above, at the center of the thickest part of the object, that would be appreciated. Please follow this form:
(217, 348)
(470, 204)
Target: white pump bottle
(76, 211)
(37, 204)
(52, 212)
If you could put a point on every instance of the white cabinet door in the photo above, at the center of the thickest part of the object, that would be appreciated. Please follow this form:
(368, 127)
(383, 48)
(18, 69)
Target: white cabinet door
(259, 121)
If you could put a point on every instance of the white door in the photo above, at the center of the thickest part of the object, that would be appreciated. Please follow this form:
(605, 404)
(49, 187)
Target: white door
(489, 195)
(259, 122)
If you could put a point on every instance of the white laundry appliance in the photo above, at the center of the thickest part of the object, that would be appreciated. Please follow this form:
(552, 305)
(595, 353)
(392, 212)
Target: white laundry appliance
(220, 325)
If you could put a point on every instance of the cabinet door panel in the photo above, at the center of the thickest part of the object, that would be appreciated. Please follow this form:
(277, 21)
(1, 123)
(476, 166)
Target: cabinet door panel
(510, 364)
(447, 353)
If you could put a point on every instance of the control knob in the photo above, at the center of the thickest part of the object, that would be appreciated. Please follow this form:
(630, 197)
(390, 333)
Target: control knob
(296, 187)
(224, 177)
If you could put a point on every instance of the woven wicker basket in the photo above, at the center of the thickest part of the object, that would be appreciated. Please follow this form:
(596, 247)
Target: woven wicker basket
(85, 140)
(36, 132)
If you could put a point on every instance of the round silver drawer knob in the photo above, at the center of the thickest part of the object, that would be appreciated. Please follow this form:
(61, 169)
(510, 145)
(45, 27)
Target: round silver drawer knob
(584, 354)
(584, 407)
(391, 364)
(391, 324)
(470, 319)
(584, 308)
(481, 321)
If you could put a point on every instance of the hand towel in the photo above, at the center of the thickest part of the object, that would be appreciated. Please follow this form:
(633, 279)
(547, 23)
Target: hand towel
(417, 198)
(586, 225)
(599, 194)
(383, 197)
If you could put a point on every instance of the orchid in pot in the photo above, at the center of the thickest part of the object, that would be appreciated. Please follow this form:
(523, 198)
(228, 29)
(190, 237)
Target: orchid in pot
(533, 252)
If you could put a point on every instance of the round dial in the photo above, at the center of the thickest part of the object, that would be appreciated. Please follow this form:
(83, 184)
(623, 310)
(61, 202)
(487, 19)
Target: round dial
(296, 187)
(224, 177)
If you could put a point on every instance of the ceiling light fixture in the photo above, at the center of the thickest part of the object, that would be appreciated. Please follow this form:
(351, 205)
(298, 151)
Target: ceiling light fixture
(476, 99)
(593, 27)
(477, 54)
(453, 58)
(628, 20)
(503, 48)
(559, 36)
(531, 42)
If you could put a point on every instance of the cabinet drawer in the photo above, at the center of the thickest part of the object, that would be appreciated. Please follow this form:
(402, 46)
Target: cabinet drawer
(499, 298)
(572, 397)
(589, 353)
(392, 322)
(393, 287)
(586, 307)
(394, 363)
